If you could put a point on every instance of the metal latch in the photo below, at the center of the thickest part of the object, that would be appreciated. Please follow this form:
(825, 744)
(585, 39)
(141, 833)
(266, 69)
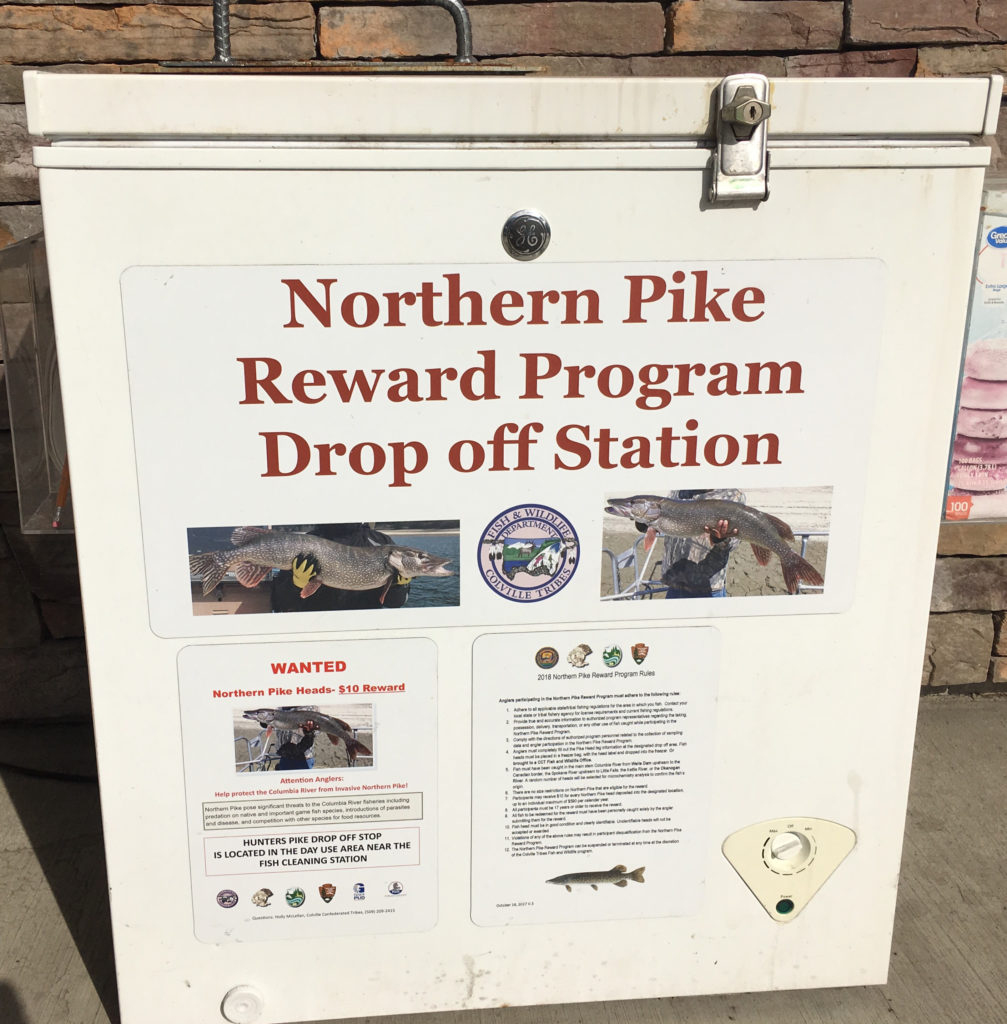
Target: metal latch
(740, 164)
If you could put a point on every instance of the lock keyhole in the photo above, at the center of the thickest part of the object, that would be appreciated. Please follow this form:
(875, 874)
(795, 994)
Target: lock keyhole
(744, 112)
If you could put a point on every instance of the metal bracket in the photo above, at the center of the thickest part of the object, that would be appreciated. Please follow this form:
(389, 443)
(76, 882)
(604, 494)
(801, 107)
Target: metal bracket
(222, 29)
(740, 163)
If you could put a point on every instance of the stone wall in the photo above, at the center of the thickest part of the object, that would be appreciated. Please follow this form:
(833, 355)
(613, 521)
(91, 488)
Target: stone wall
(42, 671)
(967, 639)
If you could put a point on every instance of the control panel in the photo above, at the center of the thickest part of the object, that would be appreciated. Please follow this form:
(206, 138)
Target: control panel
(785, 861)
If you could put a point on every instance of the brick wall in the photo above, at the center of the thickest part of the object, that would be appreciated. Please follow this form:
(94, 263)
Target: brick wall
(39, 614)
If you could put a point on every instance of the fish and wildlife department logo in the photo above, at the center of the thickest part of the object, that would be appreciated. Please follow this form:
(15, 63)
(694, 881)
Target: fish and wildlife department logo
(528, 553)
(612, 656)
(294, 897)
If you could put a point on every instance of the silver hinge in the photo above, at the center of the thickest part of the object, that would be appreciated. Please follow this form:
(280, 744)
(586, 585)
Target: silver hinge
(740, 164)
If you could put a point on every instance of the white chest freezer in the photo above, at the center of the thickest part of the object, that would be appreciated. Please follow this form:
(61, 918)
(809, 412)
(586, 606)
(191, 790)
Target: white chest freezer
(505, 512)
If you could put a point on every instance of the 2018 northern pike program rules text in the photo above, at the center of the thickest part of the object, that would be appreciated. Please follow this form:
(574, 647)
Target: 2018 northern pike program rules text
(680, 298)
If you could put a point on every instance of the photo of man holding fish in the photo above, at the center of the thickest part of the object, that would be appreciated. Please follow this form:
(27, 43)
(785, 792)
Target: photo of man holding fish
(299, 738)
(326, 567)
(716, 543)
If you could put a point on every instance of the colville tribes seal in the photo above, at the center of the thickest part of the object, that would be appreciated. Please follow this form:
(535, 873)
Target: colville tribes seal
(528, 553)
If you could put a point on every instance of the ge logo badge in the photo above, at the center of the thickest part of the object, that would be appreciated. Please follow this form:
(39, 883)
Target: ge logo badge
(528, 553)
(526, 235)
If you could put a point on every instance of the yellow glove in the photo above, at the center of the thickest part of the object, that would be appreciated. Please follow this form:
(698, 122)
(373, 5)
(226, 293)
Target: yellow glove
(303, 569)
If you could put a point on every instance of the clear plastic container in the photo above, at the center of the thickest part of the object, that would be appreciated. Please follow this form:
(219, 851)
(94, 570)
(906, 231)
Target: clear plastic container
(31, 372)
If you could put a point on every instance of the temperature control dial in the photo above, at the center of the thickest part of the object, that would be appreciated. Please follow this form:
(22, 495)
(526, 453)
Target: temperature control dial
(789, 849)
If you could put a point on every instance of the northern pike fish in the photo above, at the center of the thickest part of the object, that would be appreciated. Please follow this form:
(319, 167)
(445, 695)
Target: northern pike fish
(256, 551)
(335, 728)
(679, 517)
(617, 876)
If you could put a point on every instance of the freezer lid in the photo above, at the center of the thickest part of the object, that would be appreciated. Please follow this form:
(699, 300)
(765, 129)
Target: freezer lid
(68, 107)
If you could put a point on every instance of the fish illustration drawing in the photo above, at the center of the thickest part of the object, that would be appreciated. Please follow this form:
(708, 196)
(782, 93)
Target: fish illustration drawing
(617, 876)
(678, 517)
(256, 551)
(296, 718)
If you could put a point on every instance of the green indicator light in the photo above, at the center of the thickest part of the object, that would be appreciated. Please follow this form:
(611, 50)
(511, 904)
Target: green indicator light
(784, 906)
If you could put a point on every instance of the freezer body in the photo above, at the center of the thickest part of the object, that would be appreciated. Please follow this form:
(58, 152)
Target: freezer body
(282, 325)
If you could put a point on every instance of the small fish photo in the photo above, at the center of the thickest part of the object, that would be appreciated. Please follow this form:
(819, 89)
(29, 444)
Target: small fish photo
(303, 737)
(240, 570)
(721, 542)
(618, 876)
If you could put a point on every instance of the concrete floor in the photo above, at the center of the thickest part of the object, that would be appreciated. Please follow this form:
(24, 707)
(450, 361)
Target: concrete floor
(949, 961)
